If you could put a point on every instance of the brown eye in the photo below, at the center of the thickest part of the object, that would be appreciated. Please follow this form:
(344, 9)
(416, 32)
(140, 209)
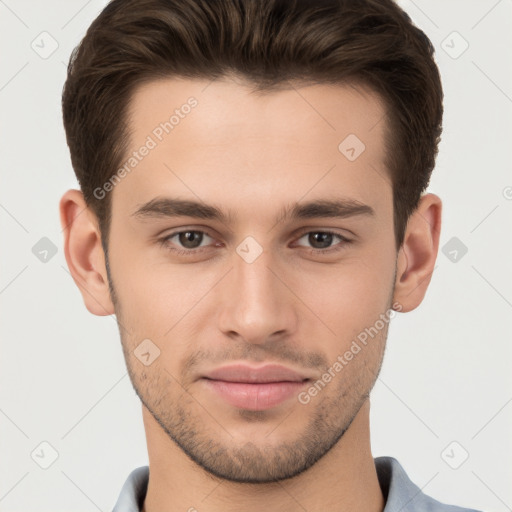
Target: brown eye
(190, 239)
(322, 240)
(187, 241)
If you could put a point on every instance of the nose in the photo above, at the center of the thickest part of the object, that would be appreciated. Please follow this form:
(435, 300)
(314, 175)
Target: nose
(256, 301)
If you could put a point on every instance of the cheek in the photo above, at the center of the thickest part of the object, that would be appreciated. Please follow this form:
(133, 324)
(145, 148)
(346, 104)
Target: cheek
(349, 296)
(157, 299)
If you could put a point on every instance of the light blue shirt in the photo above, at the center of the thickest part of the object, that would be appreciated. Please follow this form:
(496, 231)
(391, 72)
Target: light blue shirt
(400, 494)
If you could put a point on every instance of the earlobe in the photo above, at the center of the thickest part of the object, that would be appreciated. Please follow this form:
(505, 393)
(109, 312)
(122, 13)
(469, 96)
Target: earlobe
(84, 252)
(417, 256)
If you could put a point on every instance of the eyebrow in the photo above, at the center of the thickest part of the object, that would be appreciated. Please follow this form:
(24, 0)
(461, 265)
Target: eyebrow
(321, 208)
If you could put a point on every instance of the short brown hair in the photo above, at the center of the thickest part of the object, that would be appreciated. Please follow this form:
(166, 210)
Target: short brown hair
(267, 43)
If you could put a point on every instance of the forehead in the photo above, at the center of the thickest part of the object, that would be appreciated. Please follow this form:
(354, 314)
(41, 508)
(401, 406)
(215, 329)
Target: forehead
(210, 138)
(224, 105)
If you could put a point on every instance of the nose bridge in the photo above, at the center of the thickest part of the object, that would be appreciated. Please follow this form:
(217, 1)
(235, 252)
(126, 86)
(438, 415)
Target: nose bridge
(255, 278)
(256, 304)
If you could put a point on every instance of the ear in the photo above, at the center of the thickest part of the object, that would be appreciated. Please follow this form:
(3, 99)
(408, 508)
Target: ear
(418, 253)
(84, 252)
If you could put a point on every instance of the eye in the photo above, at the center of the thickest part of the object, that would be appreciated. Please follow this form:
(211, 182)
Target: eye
(189, 240)
(321, 241)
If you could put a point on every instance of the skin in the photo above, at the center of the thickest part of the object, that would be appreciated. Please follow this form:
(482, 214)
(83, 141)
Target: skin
(253, 155)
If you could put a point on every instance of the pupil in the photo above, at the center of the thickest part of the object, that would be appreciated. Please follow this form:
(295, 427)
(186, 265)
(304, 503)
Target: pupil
(324, 238)
(187, 239)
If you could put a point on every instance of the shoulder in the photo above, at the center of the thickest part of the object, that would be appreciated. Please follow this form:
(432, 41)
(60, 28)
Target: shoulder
(401, 494)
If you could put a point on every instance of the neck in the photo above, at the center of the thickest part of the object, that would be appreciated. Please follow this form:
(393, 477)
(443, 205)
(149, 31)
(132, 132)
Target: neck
(344, 479)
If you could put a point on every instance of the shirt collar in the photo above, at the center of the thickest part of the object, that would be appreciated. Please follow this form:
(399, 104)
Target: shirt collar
(400, 493)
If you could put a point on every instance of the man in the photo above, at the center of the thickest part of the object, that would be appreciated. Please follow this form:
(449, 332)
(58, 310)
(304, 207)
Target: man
(252, 206)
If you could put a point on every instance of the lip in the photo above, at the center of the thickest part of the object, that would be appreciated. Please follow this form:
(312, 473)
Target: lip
(256, 396)
(255, 389)
(262, 374)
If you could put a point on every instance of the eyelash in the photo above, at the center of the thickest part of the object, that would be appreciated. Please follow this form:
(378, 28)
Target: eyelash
(165, 242)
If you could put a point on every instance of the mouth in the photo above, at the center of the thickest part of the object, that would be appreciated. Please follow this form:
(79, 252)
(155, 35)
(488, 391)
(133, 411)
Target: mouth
(255, 396)
(256, 375)
(255, 389)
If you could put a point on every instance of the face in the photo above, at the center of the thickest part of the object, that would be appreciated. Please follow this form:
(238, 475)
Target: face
(289, 258)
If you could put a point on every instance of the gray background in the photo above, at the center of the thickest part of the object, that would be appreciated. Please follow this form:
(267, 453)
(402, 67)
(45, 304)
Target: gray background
(445, 388)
